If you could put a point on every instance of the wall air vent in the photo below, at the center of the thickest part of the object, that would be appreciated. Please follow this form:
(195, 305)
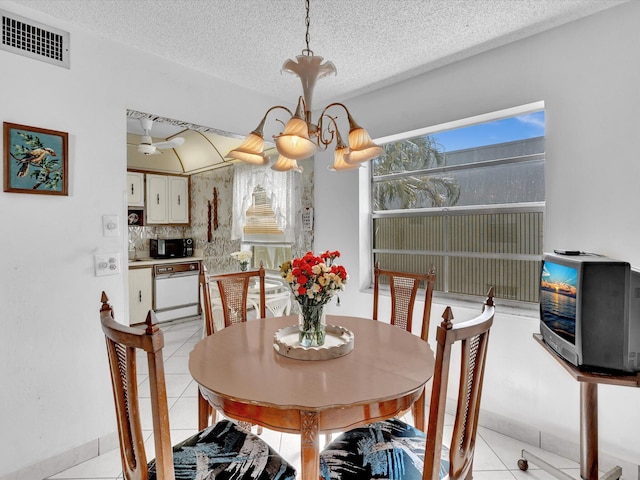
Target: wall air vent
(34, 40)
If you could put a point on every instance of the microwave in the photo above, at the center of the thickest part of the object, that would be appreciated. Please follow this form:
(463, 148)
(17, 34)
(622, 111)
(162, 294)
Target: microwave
(170, 247)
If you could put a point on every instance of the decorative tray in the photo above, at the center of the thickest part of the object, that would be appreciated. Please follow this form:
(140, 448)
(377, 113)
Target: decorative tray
(338, 342)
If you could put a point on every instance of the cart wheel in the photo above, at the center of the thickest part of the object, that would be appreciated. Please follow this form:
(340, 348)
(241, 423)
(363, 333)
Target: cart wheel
(523, 464)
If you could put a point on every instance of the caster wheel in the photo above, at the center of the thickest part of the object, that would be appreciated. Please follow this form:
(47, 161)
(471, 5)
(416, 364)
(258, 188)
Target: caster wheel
(523, 465)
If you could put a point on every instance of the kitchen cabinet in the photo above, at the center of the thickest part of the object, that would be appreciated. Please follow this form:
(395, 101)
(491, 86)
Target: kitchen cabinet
(140, 294)
(157, 205)
(135, 189)
(167, 199)
(178, 199)
(170, 287)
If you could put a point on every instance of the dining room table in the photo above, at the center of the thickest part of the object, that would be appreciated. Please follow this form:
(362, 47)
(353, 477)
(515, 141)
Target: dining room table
(381, 376)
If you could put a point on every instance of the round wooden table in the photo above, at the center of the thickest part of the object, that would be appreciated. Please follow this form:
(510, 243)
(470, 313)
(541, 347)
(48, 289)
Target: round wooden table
(242, 376)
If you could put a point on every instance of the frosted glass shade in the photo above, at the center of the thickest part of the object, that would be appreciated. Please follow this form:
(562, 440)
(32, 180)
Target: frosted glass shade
(339, 162)
(362, 147)
(294, 142)
(284, 164)
(250, 151)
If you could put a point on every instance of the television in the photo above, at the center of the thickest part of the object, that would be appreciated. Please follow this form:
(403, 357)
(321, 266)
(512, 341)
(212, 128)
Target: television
(590, 311)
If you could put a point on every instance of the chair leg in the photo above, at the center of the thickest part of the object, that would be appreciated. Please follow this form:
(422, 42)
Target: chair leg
(418, 409)
(205, 412)
(415, 413)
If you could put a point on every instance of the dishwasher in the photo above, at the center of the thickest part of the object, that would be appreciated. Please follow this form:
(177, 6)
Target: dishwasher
(176, 292)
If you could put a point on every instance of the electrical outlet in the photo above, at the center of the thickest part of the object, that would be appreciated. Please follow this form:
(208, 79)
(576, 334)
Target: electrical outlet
(110, 225)
(107, 264)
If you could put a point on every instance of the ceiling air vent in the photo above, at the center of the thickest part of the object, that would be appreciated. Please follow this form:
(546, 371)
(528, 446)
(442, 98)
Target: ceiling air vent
(34, 40)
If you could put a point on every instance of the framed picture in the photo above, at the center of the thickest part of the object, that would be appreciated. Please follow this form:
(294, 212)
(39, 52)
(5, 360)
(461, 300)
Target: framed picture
(35, 160)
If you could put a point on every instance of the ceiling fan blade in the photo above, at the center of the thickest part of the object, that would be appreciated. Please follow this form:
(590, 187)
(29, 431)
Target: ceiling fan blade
(173, 143)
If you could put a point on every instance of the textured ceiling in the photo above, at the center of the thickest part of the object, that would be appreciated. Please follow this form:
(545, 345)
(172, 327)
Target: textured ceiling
(372, 43)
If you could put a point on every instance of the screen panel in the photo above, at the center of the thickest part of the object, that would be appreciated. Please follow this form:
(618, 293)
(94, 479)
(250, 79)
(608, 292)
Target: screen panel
(558, 287)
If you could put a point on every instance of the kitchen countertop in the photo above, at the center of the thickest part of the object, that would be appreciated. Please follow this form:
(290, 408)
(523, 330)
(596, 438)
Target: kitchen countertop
(142, 261)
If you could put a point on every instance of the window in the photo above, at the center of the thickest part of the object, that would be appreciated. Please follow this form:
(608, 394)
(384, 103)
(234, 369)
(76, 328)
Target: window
(467, 200)
(266, 209)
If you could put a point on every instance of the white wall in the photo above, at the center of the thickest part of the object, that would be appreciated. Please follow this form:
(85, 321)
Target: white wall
(55, 392)
(588, 77)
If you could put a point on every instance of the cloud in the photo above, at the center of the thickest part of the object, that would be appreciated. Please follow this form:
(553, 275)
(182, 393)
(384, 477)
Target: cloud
(533, 119)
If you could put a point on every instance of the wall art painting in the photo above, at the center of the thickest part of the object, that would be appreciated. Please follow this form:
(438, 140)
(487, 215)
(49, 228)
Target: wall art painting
(35, 160)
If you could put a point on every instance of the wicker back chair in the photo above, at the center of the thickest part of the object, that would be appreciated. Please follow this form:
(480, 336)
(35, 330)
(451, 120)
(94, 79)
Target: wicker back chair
(232, 304)
(234, 297)
(404, 288)
(219, 450)
(394, 450)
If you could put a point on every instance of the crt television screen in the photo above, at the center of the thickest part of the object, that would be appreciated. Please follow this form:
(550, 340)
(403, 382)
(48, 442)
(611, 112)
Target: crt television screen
(558, 285)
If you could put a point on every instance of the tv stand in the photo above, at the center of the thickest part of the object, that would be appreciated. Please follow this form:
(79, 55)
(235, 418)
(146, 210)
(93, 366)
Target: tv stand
(588, 421)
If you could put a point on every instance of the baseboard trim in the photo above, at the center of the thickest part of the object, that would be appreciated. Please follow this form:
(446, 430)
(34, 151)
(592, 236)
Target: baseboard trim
(65, 460)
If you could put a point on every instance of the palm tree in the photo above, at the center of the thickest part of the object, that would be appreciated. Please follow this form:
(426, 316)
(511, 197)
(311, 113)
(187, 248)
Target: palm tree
(407, 190)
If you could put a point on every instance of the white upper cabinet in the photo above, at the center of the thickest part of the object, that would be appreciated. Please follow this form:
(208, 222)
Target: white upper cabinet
(135, 189)
(167, 199)
(178, 199)
(157, 205)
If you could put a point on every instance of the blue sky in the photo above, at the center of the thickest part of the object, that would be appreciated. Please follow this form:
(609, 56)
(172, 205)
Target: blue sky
(506, 130)
(555, 273)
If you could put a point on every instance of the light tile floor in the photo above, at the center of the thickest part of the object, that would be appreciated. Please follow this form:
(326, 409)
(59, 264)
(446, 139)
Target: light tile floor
(496, 455)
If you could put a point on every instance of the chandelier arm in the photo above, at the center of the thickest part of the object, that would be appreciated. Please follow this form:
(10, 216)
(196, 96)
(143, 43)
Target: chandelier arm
(321, 131)
(321, 139)
(260, 128)
(335, 104)
(302, 109)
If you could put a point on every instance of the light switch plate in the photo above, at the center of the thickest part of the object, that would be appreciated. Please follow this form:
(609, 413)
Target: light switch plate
(110, 225)
(107, 264)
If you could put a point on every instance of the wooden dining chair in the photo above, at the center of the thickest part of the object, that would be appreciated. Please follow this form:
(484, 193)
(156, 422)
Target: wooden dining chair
(223, 450)
(234, 293)
(394, 450)
(404, 288)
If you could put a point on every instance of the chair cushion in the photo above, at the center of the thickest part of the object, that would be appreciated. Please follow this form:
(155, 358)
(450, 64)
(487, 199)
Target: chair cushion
(225, 451)
(390, 449)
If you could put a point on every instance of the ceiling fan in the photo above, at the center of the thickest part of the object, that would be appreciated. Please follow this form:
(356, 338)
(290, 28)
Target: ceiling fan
(147, 146)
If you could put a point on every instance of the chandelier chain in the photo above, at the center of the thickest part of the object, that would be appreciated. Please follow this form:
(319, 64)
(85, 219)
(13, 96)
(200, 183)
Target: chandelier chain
(307, 37)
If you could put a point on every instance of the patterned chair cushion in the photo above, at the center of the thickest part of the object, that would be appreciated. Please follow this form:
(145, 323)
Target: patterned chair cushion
(223, 452)
(387, 450)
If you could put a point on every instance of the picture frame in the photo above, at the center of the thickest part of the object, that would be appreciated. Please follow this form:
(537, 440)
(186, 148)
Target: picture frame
(36, 160)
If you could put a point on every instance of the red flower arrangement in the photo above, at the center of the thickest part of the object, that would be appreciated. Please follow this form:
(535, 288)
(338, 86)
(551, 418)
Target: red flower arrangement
(314, 279)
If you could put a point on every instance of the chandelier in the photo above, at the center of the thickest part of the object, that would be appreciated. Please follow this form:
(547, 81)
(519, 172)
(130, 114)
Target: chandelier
(301, 137)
